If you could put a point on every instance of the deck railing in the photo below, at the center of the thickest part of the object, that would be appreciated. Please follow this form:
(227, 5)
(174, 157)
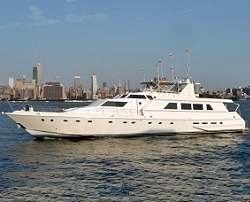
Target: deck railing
(88, 111)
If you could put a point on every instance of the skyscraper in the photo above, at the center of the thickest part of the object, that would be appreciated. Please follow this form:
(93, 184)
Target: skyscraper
(94, 87)
(37, 73)
(11, 82)
(77, 82)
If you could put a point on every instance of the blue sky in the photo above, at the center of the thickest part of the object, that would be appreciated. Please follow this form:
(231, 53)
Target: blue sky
(117, 39)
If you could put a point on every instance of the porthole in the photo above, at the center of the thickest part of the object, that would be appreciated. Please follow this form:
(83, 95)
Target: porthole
(160, 123)
(221, 122)
(171, 123)
(125, 122)
(133, 122)
(110, 121)
(195, 123)
(65, 120)
(78, 121)
(213, 123)
(90, 121)
(51, 120)
(150, 122)
(204, 122)
(42, 119)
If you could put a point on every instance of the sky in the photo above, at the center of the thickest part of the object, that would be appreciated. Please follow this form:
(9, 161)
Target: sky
(118, 39)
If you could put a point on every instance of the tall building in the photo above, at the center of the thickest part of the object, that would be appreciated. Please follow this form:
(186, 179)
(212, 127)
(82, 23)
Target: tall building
(94, 87)
(11, 82)
(77, 82)
(129, 87)
(53, 91)
(104, 84)
(39, 72)
(24, 79)
(35, 74)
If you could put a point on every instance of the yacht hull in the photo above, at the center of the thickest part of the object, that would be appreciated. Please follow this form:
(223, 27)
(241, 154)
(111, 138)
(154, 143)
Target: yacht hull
(57, 125)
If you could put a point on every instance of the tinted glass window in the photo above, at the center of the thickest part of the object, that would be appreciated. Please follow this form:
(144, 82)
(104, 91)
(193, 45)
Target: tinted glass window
(209, 107)
(124, 95)
(197, 106)
(137, 96)
(114, 104)
(186, 106)
(171, 105)
(150, 97)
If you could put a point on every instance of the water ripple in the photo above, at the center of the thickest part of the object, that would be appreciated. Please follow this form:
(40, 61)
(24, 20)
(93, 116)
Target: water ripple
(175, 168)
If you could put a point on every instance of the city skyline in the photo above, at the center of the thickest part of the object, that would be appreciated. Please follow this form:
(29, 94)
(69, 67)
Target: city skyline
(119, 39)
(77, 80)
(36, 89)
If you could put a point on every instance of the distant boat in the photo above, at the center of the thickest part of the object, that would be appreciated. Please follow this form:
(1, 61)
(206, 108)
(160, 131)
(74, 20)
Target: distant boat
(244, 97)
(162, 108)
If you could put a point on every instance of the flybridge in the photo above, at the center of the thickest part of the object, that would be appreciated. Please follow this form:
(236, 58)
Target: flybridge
(184, 87)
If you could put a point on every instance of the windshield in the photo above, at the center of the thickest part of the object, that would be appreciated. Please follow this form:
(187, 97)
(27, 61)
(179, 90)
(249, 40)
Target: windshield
(96, 103)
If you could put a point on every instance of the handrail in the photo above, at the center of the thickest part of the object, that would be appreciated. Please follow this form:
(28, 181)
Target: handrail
(111, 111)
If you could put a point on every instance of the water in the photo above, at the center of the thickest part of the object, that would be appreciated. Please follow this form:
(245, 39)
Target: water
(175, 168)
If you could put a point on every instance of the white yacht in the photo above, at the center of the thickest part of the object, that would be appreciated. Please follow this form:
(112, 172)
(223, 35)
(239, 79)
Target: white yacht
(162, 108)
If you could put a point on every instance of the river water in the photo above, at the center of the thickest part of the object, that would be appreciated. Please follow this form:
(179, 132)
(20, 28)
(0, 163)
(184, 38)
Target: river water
(170, 168)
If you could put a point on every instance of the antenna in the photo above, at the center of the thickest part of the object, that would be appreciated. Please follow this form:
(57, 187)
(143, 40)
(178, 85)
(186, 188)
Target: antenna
(172, 67)
(159, 61)
(144, 78)
(188, 64)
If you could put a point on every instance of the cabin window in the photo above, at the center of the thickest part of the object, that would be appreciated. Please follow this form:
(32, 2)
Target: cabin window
(124, 121)
(231, 107)
(110, 121)
(171, 105)
(42, 119)
(124, 95)
(186, 106)
(51, 120)
(65, 120)
(89, 121)
(137, 96)
(197, 106)
(209, 107)
(78, 121)
(114, 104)
(149, 97)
